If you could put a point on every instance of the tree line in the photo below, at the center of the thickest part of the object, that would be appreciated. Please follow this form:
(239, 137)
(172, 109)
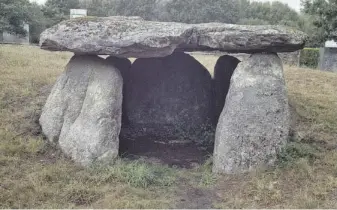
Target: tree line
(316, 19)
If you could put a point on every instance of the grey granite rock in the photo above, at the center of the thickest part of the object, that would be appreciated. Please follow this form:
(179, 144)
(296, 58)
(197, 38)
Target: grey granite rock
(134, 37)
(254, 125)
(83, 112)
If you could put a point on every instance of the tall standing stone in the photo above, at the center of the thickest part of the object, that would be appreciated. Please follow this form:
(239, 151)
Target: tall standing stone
(223, 72)
(254, 124)
(169, 96)
(83, 111)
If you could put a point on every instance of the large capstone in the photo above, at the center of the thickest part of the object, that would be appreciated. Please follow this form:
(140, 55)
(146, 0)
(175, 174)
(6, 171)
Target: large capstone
(254, 124)
(223, 72)
(169, 97)
(83, 111)
(134, 37)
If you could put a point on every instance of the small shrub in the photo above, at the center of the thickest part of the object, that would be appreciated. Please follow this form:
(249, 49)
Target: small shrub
(296, 150)
(309, 57)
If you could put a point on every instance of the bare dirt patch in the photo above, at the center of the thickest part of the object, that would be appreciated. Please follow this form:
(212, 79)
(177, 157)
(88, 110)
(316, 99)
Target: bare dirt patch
(182, 155)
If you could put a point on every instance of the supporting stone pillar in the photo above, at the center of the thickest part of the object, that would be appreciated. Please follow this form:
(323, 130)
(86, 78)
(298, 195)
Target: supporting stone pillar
(83, 111)
(223, 72)
(169, 96)
(254, 125)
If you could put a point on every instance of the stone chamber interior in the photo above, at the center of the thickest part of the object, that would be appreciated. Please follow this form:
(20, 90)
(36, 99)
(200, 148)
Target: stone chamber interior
(171, 107)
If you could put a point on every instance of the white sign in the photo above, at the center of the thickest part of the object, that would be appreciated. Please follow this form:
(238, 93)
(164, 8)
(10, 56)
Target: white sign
(331, 44)
(76, 13)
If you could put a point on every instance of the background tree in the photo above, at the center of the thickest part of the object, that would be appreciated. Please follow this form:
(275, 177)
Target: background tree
(13, 15)
(271, 13)
(200, 11)
(56, 11)
(99, 8)
(324, 13)
(142, 8)
(37, 22)
(316, 34)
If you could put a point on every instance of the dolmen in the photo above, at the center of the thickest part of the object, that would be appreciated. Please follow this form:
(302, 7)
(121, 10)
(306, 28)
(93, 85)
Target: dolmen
(166, 92)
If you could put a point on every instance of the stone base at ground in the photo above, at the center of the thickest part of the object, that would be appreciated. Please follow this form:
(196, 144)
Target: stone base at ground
(169, 96)
(254, 125)
(83, 112)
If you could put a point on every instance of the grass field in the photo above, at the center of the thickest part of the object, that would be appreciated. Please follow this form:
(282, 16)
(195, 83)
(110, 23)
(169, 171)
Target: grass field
(35, 175)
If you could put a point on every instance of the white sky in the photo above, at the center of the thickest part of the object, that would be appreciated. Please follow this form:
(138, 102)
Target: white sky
(292, 3)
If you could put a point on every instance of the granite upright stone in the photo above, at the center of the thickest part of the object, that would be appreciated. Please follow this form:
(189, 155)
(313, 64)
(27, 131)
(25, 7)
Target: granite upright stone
(254, 125)
(83, 112)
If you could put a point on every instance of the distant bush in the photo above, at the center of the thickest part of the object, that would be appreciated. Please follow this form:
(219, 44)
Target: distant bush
(309, 57)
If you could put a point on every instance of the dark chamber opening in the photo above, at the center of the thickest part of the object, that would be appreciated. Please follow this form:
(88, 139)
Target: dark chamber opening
(170, 109)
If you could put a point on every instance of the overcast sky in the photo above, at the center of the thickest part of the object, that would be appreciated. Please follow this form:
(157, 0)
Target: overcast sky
(293, 3)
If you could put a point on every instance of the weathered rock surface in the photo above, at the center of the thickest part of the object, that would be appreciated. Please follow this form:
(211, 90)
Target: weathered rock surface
(134, 37)
(223, 72)
(83, 111)
(169, 96)
(254, 124)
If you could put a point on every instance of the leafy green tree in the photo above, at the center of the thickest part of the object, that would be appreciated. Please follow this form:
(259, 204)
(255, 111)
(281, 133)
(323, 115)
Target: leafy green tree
(100, 8)
(63, 6)
(37, 22)
(13, 15)
(325, 13)
(200, 11)
(56, 11)
(273, 13)
(316, 35)
(142, 8)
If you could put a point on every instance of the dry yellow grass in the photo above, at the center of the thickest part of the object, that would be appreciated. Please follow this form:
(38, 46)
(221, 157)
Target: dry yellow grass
(34, 175)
